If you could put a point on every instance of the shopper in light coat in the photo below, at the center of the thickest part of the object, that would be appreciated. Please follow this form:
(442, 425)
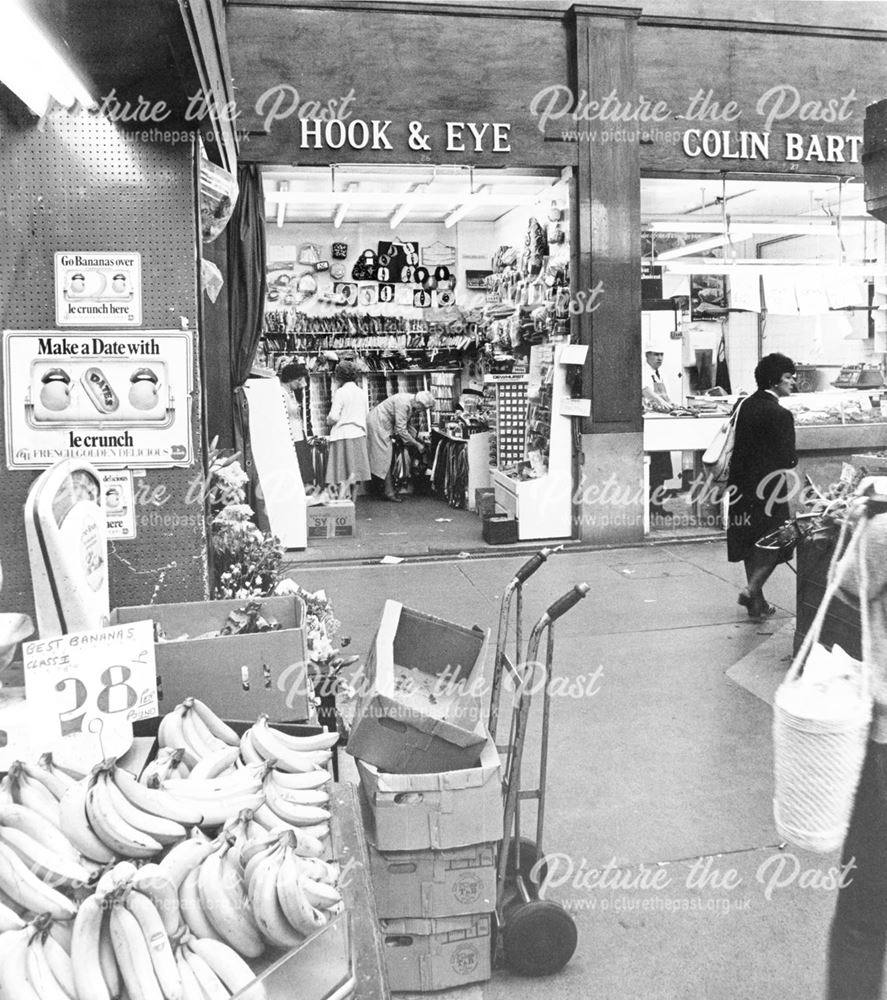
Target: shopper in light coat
(388, 422)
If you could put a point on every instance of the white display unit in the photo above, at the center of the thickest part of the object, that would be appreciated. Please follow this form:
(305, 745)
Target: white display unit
(543, 506)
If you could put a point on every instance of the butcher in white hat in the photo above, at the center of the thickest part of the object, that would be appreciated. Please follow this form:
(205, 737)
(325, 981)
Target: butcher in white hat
(656, 400)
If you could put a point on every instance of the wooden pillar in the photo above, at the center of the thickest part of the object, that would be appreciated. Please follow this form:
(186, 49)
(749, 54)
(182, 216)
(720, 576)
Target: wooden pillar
(610, 497)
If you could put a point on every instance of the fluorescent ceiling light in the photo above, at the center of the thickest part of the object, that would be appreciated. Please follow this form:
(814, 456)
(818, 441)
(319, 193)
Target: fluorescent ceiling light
(345, 204)
(682, 226)
(751, 266)
(737, 234)
(283, 186)
(33, 67)
(472, 201)
(408, 203)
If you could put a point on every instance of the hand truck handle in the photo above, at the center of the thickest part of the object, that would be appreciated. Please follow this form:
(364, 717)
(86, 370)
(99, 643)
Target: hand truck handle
(563, 604)
(533, 563)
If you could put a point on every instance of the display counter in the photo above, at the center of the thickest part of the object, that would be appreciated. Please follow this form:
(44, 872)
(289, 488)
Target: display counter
(824, 421)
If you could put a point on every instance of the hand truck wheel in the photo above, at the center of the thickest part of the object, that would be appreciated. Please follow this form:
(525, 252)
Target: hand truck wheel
(539, 938)
(529, 856)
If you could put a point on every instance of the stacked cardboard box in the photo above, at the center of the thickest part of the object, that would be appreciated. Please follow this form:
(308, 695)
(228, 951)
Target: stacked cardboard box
(431, 794)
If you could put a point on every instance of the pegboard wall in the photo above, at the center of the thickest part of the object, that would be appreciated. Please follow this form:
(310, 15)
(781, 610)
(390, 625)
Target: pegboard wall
(77, 182)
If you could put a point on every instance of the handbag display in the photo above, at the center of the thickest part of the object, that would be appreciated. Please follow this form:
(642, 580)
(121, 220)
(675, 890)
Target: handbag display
(821, 720)
(365, 267)
(717, 456)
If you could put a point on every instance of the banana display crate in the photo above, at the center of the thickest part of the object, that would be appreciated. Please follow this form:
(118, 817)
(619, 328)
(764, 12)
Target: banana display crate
(245, 675)
(422, 710)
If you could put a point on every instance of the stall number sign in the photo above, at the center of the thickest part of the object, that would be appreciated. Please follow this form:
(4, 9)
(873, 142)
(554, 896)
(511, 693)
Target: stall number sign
(86, 682)
(98, 289)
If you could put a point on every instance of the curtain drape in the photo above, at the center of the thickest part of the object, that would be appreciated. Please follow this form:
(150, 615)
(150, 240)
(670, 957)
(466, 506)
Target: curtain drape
(246, 297)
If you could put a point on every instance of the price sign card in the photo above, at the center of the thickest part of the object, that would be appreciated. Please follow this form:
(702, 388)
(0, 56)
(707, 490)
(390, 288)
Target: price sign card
(84, 690)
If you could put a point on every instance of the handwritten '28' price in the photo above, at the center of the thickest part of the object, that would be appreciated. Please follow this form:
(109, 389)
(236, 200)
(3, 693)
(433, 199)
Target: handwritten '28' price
(115, 695)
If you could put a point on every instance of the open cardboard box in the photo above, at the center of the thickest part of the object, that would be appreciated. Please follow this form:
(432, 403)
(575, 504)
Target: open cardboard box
(422, 709)
(436, 810)
(241, 676)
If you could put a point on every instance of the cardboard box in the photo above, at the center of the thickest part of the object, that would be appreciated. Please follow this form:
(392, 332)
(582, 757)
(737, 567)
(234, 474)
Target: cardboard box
(241, 676)
(421, 708)
(331, 520)
(485, 501)
(499, 529)
(414, 812)
(426, 955)
(430, 883)
(434, 883)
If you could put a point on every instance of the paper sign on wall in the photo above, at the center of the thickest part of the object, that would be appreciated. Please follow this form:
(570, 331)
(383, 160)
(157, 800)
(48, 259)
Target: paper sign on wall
(117, 503)
(87, 688)
(98, 289)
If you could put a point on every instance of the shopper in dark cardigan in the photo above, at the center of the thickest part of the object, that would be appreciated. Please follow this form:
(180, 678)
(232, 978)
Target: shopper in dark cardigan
(764, 448)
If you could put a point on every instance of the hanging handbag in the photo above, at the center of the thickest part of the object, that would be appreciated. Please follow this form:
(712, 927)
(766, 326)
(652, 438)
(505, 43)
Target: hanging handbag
(365, 267)
(717, 456)
(821, 720)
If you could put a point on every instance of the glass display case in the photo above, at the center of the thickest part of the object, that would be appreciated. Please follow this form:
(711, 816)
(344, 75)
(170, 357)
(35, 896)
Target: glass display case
(838, 408)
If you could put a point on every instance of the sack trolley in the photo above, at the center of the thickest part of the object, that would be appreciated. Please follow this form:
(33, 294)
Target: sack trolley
(537, 937)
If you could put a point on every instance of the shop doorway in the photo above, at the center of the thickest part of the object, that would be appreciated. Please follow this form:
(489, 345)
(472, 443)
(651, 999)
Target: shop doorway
(437, 280)
(737, 268)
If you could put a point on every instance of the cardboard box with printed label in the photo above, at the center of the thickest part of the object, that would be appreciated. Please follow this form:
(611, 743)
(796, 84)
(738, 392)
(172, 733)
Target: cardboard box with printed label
(241, 676)
(451, 883)
(414, 812)
(331, 520)
(421, 707)
(426, 955)
(429, 883)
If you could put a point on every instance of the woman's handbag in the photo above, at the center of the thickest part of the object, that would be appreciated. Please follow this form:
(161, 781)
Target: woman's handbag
(717, 456)
(821, 720)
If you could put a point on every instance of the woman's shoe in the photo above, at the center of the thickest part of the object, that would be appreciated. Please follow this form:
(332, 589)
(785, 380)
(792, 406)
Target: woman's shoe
(391, 498)
(749, 603)
(759, 608)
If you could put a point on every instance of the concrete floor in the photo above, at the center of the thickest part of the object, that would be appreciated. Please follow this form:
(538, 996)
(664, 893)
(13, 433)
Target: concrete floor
(665, 767)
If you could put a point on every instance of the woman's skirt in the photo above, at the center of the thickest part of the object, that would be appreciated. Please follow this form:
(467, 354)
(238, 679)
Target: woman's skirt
(751, 518)
(348, 461)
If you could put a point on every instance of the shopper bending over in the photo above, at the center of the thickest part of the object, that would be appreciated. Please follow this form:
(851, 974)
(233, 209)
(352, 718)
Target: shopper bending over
(348, 462)
(764, 447)
(389, 422)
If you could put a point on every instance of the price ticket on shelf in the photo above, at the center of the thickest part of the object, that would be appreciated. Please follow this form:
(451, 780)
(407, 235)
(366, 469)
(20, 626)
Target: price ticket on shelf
(84, 690)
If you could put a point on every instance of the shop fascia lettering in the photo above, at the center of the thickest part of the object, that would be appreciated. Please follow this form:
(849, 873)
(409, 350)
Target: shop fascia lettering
(356, 133)
(743, 145)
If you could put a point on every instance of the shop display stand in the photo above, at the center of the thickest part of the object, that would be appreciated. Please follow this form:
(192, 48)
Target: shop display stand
(543, 506)
(476, 472)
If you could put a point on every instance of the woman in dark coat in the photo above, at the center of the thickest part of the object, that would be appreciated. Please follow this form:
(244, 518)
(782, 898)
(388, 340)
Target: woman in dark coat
(764, 447)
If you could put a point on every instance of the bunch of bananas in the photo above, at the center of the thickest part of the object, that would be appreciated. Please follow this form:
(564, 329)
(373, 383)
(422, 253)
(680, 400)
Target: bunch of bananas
(109, 887)
(195, 729)
(168, 764)
(227, 891)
